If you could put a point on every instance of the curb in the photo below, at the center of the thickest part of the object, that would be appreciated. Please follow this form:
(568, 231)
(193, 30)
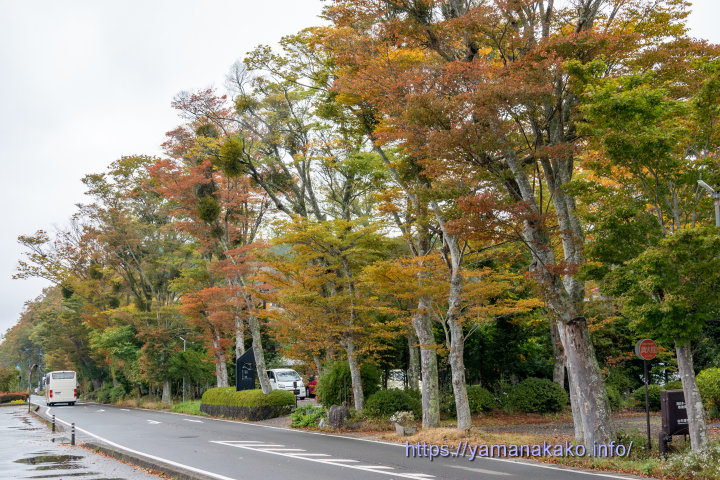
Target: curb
(141, 461)
(147, 463)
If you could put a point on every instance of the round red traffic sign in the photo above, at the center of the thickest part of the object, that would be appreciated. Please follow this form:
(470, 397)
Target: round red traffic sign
(646, 349)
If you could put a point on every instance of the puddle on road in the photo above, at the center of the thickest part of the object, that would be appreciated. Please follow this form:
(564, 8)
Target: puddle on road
(55, 459)
(79, 474)
(24, 445)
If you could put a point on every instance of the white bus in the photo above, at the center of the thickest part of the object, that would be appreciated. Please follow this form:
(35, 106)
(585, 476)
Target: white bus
(61, 387)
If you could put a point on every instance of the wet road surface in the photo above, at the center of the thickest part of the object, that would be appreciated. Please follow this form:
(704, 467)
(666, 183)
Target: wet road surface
(27, 450)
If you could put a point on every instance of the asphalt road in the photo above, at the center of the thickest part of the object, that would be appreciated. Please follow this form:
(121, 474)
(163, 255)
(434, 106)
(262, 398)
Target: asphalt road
(225, 449)
(28, 450)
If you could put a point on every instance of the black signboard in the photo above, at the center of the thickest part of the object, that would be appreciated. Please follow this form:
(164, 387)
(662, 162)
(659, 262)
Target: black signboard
(674, 414)
(245, 371)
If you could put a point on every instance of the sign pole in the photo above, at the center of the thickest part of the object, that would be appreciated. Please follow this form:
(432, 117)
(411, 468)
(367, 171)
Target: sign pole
(647, 404)
(645, 350)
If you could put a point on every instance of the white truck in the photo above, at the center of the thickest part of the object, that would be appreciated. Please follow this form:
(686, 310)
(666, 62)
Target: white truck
(286, 379)
(61, 387)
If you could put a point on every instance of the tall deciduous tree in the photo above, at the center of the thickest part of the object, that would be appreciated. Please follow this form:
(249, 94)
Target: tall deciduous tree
(484, 85)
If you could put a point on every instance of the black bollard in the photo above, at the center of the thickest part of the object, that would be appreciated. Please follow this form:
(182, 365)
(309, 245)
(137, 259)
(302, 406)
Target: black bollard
(53, 424)
(72, 434)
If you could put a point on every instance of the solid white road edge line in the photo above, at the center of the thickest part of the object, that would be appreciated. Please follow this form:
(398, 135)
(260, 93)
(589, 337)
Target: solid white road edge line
(153, 457)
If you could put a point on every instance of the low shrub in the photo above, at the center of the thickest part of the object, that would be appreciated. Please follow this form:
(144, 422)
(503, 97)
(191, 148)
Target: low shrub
(638, 396)
(307, 416)
(447, 405)
(708, 382)
(384, 403)
(103, 395)
(537, 395)
(9, 397)
(247, 404)
(480, 399)
(614, 397)
(116, 393)
(330, 388)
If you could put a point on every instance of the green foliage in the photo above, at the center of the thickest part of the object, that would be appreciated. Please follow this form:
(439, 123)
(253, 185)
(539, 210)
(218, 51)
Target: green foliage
(307, 416)
(708, 382)
(480, 399)
(247, 398)
(207, 130)
(231, 154)
(537, 395)
(208, 209)
(8, 379)
(330, 388)
(447, 405)
(638, 397)
(194, 365)
(669, 291)
(384, 403)
(103, 395)
(192, 407)
(614, 397)
(116, 393)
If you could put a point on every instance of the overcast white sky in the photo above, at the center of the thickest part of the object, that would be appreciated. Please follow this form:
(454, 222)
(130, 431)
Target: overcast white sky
(85, 82)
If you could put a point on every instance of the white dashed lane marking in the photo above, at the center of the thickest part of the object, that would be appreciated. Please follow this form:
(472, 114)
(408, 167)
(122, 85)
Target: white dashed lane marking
(300, 454)
(153, 422)
(191, 420)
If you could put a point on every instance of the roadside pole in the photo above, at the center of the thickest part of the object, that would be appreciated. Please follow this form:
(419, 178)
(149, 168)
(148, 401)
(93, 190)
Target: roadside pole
(30, 372)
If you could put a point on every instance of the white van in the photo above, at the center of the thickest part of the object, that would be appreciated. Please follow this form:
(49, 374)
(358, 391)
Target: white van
(286, 379)
(61, 387)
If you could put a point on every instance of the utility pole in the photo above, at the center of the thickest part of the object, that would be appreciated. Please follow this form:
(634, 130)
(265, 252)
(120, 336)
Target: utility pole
(716, 197)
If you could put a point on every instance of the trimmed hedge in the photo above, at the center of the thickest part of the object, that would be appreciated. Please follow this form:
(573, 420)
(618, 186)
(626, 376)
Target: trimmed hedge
(247, 404)
(537, 395)
(384, 403)
(9, 397)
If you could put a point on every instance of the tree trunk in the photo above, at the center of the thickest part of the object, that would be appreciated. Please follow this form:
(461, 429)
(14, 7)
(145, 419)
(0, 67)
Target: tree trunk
(166, 392)
(575, 407)
(318, 365)
(259, 354)
(564, 291)
(558, 354)
(239, 337)
(355, 377)
(693, 403)
(457, 338)
(428, 364)
(457, 367)
(414, 362)
(587, 382)
(220, 362)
